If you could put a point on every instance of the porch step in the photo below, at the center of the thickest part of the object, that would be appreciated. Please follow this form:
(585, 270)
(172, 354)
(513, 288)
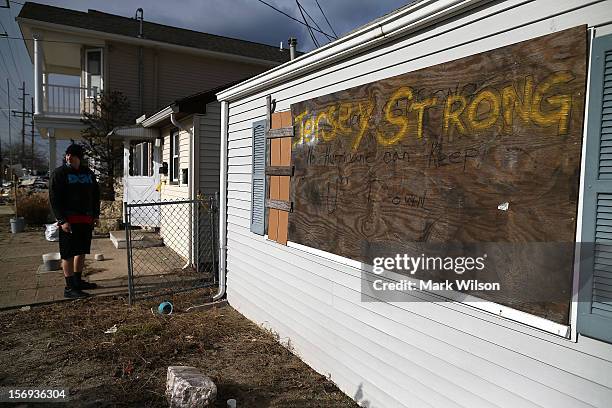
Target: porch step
(140, 239)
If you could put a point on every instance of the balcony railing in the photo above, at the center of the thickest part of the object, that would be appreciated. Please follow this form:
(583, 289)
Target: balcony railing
(68, 100)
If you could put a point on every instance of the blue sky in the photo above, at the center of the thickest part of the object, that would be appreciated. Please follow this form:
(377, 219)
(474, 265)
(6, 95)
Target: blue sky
(245, 19)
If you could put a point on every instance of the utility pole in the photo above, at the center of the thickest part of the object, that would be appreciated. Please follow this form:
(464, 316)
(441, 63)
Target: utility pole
(8, 95)
(23, 95)
(23, 113)
(32, 124)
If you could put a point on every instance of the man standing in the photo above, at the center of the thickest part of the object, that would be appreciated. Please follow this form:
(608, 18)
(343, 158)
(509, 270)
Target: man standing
(74, 195)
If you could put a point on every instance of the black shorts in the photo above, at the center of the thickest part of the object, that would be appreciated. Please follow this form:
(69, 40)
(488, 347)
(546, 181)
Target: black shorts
(78, 242)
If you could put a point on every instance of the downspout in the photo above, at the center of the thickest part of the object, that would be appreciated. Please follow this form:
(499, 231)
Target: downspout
(190, 184)
(140, 17)
(223, 203)
(140, 81)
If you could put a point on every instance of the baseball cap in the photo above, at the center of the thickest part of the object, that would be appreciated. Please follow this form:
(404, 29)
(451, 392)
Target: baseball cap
(75, 150)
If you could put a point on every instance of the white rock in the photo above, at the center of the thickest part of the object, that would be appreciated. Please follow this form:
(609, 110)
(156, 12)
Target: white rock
(188, 387)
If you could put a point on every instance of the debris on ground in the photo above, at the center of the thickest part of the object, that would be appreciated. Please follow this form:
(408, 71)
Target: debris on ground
(59, 345)
(187, 387)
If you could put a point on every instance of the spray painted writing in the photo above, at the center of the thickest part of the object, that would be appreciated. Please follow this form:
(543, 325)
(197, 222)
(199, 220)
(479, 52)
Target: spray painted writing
(540, 104)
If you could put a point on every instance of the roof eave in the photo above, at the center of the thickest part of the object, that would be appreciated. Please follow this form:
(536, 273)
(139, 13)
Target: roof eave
(145, 42)
(160, 116)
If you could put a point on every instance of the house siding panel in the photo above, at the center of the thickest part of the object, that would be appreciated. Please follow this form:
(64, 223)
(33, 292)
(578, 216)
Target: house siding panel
(407, 353)
(175, 217)
(122, 74)
(185, 74)
(168, 76)
(209, 149)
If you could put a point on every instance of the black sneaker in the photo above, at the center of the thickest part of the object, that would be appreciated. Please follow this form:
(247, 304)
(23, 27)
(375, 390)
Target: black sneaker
(71, 293)
(84, 284)
(87, 285)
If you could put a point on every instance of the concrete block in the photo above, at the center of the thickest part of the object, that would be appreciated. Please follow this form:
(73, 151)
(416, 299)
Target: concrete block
(139, 240)
(187, 387)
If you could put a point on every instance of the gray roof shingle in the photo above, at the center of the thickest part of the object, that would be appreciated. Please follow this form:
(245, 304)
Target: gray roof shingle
(110, 23)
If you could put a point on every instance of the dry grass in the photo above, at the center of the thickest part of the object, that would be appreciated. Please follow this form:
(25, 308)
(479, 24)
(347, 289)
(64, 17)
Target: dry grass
(34, 207)
(65, 345)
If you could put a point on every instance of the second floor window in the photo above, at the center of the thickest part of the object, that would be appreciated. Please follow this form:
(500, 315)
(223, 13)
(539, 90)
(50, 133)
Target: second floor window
(175, 153)
(93, 71)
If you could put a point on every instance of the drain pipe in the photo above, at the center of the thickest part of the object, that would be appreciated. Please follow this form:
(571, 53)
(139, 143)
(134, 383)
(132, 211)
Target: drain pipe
(190, 185)
(223, 204)
(140, 17)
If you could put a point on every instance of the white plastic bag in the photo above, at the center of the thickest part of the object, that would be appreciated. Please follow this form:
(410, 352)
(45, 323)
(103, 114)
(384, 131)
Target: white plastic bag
(52, 232)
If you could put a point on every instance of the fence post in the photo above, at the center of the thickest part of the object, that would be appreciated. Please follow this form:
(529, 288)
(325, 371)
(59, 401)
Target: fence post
(128, 238)
(213, 210)
(196, 234)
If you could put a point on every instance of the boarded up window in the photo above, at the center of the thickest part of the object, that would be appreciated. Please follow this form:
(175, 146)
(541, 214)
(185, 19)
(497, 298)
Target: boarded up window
(484, 149)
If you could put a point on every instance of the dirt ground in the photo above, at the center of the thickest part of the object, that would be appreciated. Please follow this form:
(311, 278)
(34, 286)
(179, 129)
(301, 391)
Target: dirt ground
(64, 345)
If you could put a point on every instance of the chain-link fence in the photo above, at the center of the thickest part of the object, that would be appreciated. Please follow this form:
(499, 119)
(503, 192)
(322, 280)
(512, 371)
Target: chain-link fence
(171, 246)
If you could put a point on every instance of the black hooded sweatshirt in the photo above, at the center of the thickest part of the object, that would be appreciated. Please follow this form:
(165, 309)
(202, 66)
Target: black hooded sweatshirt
(74, 194)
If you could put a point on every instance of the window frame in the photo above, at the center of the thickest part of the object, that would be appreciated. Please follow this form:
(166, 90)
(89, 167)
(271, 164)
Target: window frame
(175, 154)
(88, 87)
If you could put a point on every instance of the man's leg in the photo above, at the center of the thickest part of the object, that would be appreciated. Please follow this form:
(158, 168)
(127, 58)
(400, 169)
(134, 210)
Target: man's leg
(67, 266)
(72, 289)
(79, 264)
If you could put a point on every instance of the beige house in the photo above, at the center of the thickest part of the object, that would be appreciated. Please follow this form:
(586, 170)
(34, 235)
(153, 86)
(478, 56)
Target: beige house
(152, 64)
(175, 158)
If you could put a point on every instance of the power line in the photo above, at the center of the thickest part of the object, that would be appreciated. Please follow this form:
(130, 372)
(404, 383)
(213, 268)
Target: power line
(23, 113)
(24, 51)
(312, 36)
(11, 51)
(324, 16)
(314, 22)
(8, 71)
(288, 15)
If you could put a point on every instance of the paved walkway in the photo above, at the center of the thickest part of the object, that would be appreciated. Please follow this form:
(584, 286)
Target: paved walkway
(25, 283)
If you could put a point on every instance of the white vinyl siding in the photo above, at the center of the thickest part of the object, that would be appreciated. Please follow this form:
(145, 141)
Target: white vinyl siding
(209, 149)
(179, 190)
(176, 218)
(407, 354)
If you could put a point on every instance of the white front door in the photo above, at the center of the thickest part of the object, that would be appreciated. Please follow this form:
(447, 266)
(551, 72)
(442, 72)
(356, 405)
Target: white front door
(141, 183)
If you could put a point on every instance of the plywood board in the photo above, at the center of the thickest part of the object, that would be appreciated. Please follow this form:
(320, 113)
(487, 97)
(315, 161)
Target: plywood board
(484, 149)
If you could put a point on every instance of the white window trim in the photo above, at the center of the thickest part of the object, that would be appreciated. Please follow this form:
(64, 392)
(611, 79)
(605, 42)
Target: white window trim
(175, 146)
(87, 85)
(145, 160)
(457, 298)
(580, 210)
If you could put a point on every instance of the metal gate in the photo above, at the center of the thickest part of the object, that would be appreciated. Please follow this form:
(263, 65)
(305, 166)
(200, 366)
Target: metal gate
(177, 254)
